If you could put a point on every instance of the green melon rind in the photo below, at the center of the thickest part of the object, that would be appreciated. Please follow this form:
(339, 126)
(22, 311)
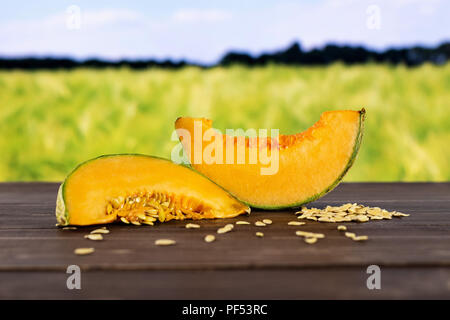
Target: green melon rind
(362, 116)
(62, 214)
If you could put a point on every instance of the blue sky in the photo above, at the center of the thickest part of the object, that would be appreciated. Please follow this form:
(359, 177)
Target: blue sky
(203, 31)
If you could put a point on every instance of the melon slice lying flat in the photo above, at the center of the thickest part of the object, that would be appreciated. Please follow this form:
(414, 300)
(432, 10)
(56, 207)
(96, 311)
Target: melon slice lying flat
(140, 189)
(310, 163)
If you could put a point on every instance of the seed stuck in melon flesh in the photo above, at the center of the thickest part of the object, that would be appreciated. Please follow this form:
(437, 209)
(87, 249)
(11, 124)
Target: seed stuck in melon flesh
(140, 190)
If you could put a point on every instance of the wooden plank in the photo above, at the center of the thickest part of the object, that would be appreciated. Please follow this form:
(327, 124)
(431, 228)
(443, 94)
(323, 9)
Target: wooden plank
(323, 283)
(29, 240)
(32, 205)
(392, 243)
(413, 252)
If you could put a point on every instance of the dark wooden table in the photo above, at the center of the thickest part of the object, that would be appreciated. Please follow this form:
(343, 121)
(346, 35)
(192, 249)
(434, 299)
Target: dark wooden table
(413, 252)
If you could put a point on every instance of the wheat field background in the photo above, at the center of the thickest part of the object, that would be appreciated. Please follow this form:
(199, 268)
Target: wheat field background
(52, 120)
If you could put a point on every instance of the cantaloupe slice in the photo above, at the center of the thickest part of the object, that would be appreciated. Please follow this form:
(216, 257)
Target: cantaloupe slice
(310, 163)
(140, 189)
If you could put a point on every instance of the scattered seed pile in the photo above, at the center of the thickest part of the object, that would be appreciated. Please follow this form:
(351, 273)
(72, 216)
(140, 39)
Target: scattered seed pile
(94, 237)
(348, 212)
(345, 213)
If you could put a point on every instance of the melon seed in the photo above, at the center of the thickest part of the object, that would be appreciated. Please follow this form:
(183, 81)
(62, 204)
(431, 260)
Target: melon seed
(161, 215)
(267, 221)
(342, 228)
(242, 222)
(260, 234)
(192, 226)
(295, 223)
(360, 238)
(165, 204)
(310, 240)
(109, 209)
(362, 218)
(350, 235)
(94, 236)
(104, 231)
(347, 212)
(124, 220)
(224, 229)
(210, 238)
(260, 224)
(141, 216)
(69, 228)
(116, 202)
(309, 234)
(399, 214)
(83, 251)
(165, 242)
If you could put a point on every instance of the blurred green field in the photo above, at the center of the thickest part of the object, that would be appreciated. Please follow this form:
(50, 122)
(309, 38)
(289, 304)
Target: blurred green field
(50, 121)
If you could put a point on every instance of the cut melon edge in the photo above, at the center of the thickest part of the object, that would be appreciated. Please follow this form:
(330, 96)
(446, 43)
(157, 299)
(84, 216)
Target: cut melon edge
(356, 146)
(62, 213)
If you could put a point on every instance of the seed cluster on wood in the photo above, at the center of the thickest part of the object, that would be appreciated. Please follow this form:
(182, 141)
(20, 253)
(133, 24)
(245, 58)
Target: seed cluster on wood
(347, 213)
(344, 213)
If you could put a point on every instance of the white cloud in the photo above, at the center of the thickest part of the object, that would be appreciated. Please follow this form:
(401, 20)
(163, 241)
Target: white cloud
(103, 17)
(97, 18)
(204, 35)
(196, 15)
(104, 33)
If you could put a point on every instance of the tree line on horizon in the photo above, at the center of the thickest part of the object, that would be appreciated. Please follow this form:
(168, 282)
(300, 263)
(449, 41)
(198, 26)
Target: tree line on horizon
(293, 55)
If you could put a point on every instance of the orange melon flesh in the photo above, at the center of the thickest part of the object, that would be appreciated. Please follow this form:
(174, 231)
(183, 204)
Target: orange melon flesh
(311, 163)
(86, 192)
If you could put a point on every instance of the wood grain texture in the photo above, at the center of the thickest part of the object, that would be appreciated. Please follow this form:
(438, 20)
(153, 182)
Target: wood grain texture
(326, 283)
(32, 249)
